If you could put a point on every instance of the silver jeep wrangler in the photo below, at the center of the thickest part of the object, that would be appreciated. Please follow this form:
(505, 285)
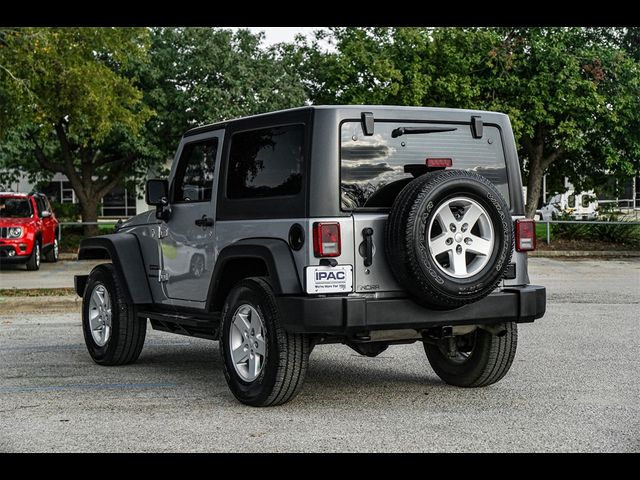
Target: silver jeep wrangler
(362, 225)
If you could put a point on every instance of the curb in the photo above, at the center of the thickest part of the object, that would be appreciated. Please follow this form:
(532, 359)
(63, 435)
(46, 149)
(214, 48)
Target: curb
(585, 253)
(49, 304)
(68, 256)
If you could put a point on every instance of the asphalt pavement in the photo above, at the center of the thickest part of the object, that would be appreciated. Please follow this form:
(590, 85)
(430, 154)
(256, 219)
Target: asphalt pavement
(50, 275)
(574, 386)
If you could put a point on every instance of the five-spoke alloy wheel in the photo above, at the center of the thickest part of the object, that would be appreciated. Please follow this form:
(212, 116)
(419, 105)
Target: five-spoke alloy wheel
(113, 333)
(263, 364)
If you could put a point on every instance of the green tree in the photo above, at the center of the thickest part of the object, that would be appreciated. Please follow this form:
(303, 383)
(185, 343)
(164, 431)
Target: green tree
(103, 104)
(197, 76)
(571, 93)
(67, 107)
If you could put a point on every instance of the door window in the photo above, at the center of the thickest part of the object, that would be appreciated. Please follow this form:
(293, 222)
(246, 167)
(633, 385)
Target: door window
(194, 177)
(40, 205)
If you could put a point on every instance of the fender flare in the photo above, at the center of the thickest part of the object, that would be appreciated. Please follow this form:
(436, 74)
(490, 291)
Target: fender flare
(276, 255)
(126, 255)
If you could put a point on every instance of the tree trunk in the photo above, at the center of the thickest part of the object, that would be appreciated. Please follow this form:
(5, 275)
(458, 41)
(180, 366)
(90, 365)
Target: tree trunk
(90, 214)
(534, 183)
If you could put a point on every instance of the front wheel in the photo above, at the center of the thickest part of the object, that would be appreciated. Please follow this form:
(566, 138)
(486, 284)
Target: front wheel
(263, 364)
(34, 260)
(113, 333)
(477, 359)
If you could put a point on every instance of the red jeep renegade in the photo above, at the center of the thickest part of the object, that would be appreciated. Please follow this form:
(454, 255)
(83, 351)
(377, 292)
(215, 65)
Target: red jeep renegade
(28, 229)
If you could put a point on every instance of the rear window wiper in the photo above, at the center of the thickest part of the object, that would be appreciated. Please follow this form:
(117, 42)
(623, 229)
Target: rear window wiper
(396, 132)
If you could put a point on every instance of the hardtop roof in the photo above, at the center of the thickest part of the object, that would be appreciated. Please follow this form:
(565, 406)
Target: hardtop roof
(358, 108)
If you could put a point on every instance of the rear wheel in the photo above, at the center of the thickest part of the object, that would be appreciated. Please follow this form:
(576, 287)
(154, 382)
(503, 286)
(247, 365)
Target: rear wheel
(477, 359)
(34, 260)
(52, 254)
(113, 333)
(263, 364)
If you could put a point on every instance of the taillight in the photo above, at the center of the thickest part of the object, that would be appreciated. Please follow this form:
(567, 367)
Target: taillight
(326, 239)
(439, 162)
(525, 235)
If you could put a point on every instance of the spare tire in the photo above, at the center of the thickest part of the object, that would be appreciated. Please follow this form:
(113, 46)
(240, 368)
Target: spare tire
(449, 238)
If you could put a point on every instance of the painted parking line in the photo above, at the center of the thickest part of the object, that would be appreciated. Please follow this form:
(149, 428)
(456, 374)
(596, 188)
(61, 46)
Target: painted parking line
(87, 386)
(81, 346)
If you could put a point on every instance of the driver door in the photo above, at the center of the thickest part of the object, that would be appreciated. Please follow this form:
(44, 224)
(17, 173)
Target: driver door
(187, 237)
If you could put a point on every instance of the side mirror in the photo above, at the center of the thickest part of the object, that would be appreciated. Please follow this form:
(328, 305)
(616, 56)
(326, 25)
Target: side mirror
(45, 214)
(157, 194)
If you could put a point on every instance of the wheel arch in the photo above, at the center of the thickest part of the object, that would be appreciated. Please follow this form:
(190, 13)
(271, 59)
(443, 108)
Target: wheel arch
(122, 249)
(255, 257)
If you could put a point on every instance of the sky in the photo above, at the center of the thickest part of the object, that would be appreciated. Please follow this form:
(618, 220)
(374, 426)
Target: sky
(281, 34)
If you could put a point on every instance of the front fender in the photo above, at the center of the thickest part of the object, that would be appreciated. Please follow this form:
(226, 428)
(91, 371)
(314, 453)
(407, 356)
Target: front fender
(124, 251)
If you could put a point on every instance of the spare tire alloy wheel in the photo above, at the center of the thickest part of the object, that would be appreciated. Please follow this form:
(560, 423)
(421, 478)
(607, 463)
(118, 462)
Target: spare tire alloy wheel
(449, 238)
(455, 249)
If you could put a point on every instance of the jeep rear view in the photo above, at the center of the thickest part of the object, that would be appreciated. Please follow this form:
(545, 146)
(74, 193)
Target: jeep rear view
(363, 225)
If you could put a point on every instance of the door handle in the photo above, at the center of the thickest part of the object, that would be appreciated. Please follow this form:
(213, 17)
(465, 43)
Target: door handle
(204, 221)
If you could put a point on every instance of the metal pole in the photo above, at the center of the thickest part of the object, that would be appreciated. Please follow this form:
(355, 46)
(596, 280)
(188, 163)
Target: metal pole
(59, 232)
(548, 233)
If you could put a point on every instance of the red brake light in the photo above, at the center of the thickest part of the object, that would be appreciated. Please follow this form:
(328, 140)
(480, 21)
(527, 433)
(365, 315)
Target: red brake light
(326, 239)
(439, 162)
(525, 235)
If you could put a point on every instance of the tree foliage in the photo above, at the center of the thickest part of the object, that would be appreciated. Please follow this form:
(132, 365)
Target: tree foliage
(66, 106)
(103, 104)
(197, 76)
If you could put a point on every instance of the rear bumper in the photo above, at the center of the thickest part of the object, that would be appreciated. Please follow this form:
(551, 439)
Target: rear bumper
(347, 315)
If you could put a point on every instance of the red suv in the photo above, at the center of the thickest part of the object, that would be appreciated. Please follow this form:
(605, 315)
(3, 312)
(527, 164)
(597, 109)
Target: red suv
(28, 229)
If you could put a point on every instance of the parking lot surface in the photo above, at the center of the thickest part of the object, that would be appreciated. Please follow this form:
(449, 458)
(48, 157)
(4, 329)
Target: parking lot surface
(50, 275)
(574, 386)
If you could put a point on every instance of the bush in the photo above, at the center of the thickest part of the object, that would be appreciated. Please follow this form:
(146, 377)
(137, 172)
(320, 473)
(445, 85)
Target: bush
(66, 212)
(613, 233)
(72, 234)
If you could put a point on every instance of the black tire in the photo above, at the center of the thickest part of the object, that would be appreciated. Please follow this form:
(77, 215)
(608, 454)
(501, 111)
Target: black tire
(407, 246)
(287, 354)
(36, 256)
(127, 330)
(370, 349)
(52, 255)
(488, 361)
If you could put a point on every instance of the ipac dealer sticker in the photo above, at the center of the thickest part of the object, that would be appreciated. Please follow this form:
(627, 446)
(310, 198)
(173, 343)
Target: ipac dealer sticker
(338, 279)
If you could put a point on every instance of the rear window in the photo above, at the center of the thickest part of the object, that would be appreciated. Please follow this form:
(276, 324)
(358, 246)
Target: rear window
(372, 167)
(266, 162)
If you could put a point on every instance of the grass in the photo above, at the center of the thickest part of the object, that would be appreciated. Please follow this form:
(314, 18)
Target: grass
(541, 231)
(36, 292)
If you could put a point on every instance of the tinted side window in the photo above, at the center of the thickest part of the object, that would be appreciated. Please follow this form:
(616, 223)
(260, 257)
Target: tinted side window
(40, 205)
(194, 177)
(266, 162)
